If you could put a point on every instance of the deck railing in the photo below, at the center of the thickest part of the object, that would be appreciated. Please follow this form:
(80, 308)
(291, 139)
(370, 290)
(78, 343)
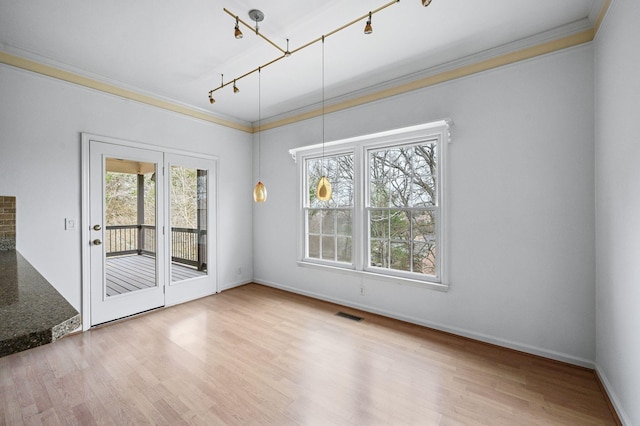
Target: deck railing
(188, 245)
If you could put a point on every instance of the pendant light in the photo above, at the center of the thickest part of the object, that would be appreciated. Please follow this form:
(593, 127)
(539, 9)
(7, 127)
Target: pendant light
(323, 191)
(260, 191)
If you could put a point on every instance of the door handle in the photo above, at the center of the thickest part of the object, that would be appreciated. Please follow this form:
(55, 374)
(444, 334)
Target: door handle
(97, 227)
(97, 242)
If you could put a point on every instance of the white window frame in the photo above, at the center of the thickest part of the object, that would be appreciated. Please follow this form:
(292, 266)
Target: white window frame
(305, 208)
(437, 131)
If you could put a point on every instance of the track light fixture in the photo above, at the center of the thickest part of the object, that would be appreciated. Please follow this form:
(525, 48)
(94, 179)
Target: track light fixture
(258, 16)
(238, 33)
(426, 3)
(368, 29)
(211, 100)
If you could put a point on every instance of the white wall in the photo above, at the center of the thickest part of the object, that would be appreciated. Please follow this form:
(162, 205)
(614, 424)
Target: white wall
(40, 124)
(618, 206)
(521, 207)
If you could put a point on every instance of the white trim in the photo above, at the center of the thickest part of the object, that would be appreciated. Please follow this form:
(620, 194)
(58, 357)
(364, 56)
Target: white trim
(375, 138)
(372, 275)
(545, 353)
(85, 307)
(615, 401)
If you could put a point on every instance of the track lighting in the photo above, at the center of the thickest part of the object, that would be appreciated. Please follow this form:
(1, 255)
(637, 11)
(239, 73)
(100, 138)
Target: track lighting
(211, 100)
(368, 29)
(426, 3)
(238, 33)
(257, 16)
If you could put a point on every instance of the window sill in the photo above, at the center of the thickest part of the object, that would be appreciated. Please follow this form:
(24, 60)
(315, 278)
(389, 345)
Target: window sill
(374, 276)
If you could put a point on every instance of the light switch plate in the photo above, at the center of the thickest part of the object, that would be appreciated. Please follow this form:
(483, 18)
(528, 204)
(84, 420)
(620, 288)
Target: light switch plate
(69, 224)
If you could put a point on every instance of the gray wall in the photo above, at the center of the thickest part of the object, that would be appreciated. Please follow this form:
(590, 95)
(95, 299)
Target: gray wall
(41, 120)
(521, 181)
(618, 206)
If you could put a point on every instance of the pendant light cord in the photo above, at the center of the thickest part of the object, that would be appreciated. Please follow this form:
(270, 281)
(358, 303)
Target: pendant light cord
(324, 165)
(259, 121)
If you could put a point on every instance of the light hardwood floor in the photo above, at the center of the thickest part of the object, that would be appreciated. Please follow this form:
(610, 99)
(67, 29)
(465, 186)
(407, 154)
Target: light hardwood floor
(256, 355)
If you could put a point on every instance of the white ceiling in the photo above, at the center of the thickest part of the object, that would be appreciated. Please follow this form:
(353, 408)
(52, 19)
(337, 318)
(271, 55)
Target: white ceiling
(176, 50)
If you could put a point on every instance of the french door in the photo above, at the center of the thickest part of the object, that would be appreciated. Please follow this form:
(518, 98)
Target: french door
(150, 231)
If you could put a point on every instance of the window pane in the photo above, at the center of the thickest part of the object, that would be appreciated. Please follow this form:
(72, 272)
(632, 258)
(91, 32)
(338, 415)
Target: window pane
(379, 224)
(378, 193)
(188, 222)
(379, 253)
(424, 175)
(313, 245)
(399, 225)
(424, 225)
(424, 258)
(339, 171)
(314, 218)
(328, 248)
(344, 222)
(344, 249)
(328, 222)
(400, 254)
(390, 177)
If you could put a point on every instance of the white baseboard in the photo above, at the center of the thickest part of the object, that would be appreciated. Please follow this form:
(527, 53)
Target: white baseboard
(558, 356)
(234, 284)
(622, 415)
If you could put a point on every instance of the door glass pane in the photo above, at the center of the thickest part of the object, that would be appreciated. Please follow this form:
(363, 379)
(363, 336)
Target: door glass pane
(188, 223)
(130, 226)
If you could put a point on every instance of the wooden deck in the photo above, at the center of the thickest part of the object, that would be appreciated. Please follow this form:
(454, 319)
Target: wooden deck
(131, 273)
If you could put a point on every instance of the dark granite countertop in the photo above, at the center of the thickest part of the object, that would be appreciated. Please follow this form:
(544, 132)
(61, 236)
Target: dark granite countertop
(32, 312)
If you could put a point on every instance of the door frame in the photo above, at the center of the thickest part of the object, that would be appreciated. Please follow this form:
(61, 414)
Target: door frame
(85, 222)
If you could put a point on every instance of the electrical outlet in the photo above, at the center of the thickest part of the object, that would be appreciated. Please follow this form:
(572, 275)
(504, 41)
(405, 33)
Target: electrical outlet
(361, 289)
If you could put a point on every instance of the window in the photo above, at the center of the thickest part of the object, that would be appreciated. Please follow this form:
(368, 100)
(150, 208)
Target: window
(329, 224)
(386, 215)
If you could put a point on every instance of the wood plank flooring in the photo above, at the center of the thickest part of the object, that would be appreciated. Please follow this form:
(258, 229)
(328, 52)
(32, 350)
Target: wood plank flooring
(130, 273)
(256, 355)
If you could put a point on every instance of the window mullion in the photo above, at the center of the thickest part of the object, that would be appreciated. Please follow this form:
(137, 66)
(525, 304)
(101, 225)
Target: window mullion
(360, 233)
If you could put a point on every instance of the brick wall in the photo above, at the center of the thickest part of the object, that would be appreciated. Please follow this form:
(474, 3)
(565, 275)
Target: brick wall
(7, 223)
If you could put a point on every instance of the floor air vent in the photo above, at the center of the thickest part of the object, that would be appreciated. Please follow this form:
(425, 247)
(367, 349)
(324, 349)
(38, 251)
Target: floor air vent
(349, 316)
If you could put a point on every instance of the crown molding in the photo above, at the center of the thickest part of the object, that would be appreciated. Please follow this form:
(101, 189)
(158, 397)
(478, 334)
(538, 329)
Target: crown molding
(117, 90)
(441, 74)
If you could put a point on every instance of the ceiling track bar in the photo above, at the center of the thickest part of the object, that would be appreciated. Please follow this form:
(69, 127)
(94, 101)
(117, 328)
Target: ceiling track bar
(258, 33)
(330, 33)
(247, 73)
(285, 54)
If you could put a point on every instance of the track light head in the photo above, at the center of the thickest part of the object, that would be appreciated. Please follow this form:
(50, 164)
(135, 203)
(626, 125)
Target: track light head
(368, 29)
(238, 33)
(235, 88)
(211, 100)
(426, 3)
